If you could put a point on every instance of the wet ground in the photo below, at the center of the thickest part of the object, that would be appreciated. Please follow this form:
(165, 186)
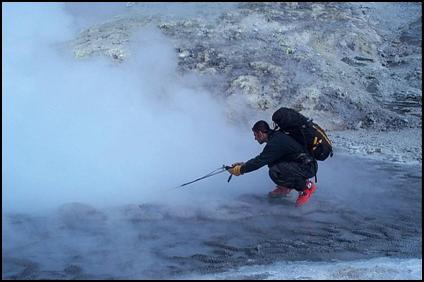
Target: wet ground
(362, 210)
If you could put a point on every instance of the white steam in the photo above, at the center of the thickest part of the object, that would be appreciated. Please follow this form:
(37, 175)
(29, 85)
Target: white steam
(92, 131)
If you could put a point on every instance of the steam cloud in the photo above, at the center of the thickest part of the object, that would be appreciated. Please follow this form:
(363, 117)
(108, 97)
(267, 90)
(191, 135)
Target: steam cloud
(97, 132)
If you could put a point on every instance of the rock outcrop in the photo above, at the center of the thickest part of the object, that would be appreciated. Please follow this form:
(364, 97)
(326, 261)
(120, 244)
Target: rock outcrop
(348, 65)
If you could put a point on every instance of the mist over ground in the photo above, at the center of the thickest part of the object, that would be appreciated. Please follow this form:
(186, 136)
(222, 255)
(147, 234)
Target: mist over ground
(97, 132)
(361, 228)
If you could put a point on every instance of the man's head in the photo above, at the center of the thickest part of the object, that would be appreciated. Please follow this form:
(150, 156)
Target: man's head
(261, 131)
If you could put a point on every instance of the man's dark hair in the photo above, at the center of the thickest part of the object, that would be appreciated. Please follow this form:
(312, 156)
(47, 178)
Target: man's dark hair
(261, 126)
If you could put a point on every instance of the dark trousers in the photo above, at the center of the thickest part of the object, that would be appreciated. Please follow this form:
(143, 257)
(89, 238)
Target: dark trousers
(293, 175)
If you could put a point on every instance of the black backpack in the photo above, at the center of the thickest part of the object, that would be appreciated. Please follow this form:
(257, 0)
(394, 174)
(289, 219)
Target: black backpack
(309, 134)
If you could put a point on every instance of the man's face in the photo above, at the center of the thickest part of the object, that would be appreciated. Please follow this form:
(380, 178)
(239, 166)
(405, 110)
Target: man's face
(260, 136)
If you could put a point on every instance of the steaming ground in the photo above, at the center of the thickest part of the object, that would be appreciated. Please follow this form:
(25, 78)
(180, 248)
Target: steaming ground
(365, 223)
(92, 150)
(82, 131)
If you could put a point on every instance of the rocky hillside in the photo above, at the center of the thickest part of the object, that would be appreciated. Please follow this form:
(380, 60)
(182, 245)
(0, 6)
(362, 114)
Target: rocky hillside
(347, 65)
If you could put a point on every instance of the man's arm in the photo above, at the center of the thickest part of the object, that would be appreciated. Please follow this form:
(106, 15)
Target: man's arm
(268, 155)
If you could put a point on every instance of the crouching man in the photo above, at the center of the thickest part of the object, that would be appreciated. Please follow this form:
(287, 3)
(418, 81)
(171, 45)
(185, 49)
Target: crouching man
(290, 165)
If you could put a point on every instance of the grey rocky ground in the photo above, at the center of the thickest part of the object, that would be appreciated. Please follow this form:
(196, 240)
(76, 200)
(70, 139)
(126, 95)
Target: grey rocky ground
(350, 66)
(376, 215)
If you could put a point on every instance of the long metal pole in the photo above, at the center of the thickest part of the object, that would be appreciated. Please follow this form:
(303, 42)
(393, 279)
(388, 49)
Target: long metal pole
(215, 172)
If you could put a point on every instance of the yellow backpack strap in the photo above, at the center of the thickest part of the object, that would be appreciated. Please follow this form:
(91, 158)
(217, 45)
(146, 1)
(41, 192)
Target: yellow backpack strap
(320, 130)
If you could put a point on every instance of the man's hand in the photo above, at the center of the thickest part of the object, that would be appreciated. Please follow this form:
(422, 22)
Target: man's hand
(235, 169)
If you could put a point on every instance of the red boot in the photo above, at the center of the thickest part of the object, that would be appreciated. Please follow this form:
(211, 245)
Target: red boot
(306, 194)
(311, 185)
(279, 191)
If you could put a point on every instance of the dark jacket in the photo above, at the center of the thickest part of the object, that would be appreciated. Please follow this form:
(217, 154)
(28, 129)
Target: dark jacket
(279, 148)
